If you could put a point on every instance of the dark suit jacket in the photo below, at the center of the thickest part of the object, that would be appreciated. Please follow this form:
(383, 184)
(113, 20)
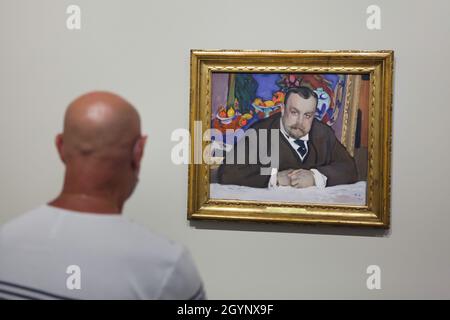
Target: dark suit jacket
(325, 153)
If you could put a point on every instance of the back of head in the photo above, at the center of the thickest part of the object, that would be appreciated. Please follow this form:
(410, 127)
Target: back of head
(101, 146)
(100, 125)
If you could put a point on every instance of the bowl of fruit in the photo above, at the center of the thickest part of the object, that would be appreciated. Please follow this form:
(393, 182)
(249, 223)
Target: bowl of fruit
(268, 106)
(226, 116)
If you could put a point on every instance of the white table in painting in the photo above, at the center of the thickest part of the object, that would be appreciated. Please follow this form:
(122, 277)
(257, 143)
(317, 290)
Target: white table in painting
(347, 194)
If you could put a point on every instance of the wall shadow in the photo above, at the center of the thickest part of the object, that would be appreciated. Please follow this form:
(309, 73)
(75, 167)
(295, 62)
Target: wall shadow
(316, 229)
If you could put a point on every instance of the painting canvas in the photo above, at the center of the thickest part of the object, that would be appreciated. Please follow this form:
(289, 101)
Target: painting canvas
(243, 101)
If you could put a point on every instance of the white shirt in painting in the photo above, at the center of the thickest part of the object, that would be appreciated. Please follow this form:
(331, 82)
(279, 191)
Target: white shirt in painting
(320, 180)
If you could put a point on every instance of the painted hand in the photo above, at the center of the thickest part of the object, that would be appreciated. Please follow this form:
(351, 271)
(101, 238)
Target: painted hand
(302, 178)
(283, 178)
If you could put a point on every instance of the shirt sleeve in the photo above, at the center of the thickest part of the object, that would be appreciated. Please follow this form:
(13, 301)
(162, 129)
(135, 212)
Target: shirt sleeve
(183, 282)
(320, 180)
(273, 178)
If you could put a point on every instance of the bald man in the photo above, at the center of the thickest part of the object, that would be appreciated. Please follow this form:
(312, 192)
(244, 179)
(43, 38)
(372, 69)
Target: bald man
(79, 246)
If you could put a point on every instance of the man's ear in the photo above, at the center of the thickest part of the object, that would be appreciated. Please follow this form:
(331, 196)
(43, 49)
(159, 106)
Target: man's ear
(282, 109)
(138, 151)
(59, 146)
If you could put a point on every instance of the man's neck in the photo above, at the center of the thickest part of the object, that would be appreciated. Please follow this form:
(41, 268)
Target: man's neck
(86, 203)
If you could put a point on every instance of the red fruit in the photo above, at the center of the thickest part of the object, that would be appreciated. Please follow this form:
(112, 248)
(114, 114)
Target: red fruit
(242, 122)
(278, 97)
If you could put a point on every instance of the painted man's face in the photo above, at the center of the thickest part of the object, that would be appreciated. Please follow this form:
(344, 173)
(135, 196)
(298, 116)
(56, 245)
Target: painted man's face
(298, 114)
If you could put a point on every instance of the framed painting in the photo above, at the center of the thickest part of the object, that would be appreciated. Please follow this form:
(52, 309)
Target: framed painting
(291, 136)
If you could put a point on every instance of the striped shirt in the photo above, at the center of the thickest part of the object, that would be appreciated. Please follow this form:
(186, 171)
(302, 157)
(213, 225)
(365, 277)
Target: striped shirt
(53, 253)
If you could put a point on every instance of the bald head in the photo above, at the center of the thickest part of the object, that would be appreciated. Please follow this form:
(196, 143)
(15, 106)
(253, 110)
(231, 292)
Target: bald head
(101, 146)
(100, 124)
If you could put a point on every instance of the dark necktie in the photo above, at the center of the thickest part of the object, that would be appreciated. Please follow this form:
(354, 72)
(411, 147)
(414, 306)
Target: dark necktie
(301, 147)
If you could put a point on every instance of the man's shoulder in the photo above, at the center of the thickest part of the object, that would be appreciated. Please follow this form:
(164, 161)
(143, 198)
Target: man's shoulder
(182, 279)
(64, 224)
(321, 130)
(23, 220)
(146, 239)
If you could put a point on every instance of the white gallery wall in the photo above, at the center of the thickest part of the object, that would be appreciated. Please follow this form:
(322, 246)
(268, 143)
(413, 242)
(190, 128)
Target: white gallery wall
(140, 49)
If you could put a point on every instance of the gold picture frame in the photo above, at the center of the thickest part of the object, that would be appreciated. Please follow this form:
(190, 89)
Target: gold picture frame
(377, 64)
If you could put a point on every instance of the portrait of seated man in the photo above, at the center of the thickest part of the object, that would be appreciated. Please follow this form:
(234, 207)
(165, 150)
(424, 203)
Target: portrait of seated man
(299, 138)
(309, 154)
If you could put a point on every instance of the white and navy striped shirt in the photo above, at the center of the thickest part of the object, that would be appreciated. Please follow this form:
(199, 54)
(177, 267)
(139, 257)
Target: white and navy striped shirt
(113, 259)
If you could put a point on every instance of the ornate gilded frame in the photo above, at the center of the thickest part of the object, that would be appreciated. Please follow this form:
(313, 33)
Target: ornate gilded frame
(379, 64)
